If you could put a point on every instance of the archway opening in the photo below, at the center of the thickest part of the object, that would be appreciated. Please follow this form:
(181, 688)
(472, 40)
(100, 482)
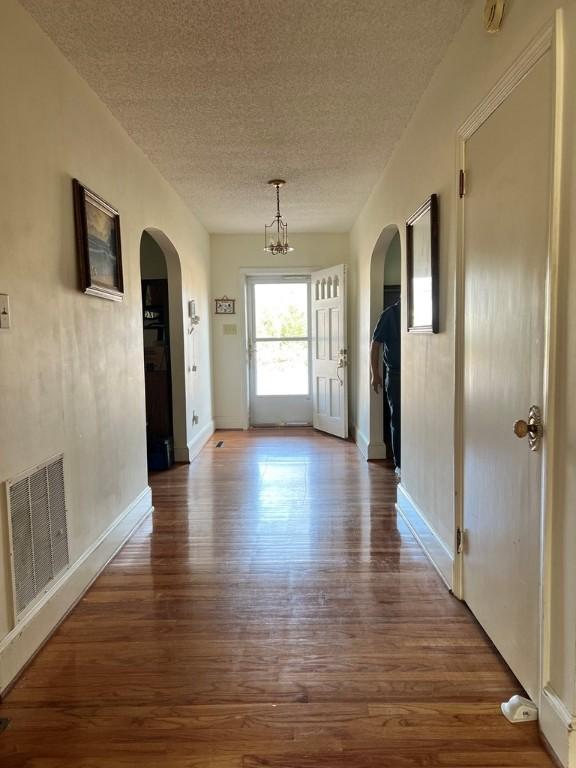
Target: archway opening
(164, 362)
(385, 294)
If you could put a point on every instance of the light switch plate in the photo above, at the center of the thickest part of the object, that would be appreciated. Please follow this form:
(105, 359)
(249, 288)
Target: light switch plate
(4, 312)
(230, 329)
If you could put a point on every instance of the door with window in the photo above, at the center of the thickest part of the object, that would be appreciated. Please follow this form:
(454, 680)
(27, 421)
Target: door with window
(329, 352)
(279, 350)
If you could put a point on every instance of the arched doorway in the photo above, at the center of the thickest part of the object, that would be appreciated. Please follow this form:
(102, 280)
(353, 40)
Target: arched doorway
(385, 290)
(164, 355)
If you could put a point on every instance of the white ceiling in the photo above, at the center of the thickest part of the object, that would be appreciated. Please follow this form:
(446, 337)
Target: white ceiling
(223, 95)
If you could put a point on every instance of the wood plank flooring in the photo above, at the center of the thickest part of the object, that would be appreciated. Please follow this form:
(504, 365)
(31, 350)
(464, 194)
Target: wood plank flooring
(273, 613)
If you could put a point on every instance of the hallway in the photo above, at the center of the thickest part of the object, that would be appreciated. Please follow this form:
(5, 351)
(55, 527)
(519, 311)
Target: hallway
(273, 612)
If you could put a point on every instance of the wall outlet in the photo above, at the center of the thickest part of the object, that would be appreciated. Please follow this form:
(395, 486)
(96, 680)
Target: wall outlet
(194, 417)
(4, 312)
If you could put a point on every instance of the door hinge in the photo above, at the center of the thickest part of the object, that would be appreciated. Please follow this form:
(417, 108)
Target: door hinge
(462, 183)
(459, 541)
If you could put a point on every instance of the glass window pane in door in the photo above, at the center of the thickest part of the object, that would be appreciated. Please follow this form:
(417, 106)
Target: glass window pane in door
(281, 310)
(282, 368)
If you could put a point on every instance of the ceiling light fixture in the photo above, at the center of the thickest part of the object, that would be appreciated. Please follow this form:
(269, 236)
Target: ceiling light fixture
(276, 234)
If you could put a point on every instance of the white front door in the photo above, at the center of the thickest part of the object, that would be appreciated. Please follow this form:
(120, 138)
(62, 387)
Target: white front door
(506, 240)
(279, 350)
(329, 351)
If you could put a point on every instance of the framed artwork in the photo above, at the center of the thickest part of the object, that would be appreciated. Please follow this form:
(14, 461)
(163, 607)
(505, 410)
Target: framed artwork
(422, 268)
(225, 306)
(98, 244)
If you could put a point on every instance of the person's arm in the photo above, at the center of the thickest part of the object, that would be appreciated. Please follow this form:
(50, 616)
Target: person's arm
(375, 378)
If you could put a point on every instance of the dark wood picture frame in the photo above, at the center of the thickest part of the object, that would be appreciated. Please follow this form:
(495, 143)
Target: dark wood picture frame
(98, 244)
(225, 306)
(422, 233)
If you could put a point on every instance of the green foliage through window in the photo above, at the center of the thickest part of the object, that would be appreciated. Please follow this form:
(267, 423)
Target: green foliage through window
(292, 322)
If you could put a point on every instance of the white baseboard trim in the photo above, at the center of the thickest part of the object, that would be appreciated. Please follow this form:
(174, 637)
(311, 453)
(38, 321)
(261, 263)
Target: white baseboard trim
(367, 449)
(377, 451)
(230, 422)
(557, 726)
(361, 442)
(28, 636)
(200, 440)
(181, 454)
(437, 552)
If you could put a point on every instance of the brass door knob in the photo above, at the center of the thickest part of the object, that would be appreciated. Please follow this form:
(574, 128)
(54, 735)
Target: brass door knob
(532, 428)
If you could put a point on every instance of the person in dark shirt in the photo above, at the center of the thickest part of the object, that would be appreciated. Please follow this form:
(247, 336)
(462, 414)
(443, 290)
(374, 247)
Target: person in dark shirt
(387, 335)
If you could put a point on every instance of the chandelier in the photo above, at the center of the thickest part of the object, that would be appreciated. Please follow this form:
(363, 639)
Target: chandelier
(276, 234)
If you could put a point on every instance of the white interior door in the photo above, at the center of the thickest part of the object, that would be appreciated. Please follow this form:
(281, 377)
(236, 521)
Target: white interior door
(506, 237)
(279, 349)
(329, 351)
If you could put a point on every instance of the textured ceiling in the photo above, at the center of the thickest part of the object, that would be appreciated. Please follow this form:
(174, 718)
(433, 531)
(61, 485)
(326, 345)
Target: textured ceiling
(223, 95)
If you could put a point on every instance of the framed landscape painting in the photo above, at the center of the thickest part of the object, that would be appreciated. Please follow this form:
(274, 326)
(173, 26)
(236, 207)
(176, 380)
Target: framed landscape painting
(422, 268)
(98, 244)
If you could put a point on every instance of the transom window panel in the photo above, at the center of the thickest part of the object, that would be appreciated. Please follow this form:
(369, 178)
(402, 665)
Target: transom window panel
(281, 310)
(327, 288)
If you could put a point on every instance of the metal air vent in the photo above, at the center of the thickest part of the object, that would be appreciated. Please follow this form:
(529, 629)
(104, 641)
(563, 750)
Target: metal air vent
(38, 531)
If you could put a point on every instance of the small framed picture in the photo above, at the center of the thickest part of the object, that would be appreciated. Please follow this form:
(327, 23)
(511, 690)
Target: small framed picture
(225, 306)
(422, 268)
(98, 244)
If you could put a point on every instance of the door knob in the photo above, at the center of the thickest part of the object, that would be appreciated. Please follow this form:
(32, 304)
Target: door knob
(342, 363)
(531, 428)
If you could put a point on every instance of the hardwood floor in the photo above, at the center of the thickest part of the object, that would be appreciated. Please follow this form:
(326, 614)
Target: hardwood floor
(273, 613)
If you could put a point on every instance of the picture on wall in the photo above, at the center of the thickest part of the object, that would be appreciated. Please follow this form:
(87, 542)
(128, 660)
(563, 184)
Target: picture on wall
(422, 268)
(98, 244)
(225, 306)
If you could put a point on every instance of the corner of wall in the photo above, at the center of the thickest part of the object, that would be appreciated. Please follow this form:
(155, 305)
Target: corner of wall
(361, 441)
(199, 441)
(557, 727)
(370, 450)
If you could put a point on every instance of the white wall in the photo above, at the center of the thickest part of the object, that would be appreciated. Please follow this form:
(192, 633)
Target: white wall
(71, 371)
(229, 254)
(423, 162)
